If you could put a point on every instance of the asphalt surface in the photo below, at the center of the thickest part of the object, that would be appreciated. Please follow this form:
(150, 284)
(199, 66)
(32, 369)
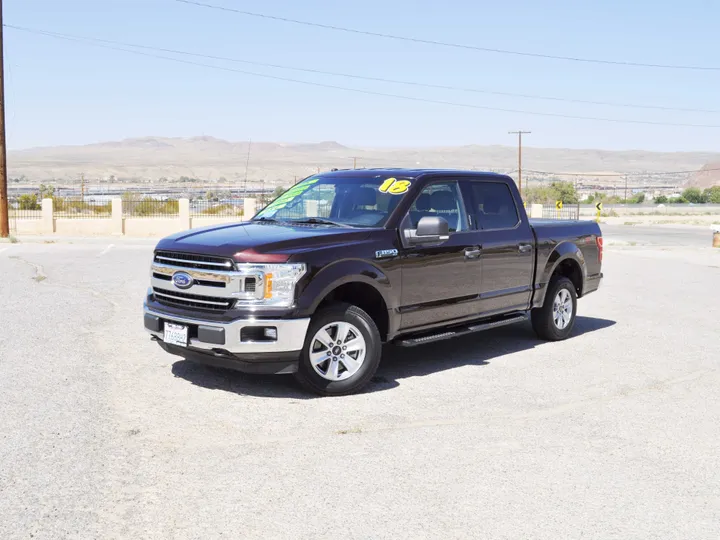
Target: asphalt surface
(659, 235)
(614, 433)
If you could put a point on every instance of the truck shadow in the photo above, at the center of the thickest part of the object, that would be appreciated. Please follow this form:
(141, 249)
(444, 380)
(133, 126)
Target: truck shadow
(398, 362)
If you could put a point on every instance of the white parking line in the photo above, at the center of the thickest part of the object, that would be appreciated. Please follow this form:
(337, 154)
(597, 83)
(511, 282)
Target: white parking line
(104, 251)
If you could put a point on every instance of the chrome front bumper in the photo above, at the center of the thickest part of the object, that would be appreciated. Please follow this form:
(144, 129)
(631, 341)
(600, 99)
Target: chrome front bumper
(290, 333)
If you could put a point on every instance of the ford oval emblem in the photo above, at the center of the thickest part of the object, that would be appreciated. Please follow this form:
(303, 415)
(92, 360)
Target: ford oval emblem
(182, 280)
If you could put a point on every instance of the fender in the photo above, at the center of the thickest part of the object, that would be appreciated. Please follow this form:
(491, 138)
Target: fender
(332, 276)
(560, 253)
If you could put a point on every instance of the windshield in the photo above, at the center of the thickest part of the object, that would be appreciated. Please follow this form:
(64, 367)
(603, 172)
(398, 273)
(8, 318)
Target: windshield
(355, 202)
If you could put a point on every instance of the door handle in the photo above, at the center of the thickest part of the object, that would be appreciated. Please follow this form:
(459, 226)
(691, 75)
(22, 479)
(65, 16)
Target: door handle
(472, 252)
(525, 248)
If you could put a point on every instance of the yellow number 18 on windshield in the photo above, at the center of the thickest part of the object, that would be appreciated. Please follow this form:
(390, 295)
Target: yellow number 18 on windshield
(394, 186)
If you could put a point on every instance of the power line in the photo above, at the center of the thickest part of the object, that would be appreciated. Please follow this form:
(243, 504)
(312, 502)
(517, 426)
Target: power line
(99, 43)
(369, 78)
(448, 44)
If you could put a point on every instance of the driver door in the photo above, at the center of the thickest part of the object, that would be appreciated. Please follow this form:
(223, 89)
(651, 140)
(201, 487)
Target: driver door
(440, 282)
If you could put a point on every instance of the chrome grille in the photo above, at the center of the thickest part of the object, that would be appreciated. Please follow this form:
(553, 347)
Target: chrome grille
(181, 299)
(216, 282)
(189, 260)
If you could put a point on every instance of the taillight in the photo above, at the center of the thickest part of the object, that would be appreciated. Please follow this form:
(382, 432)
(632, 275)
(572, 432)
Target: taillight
(599, 242)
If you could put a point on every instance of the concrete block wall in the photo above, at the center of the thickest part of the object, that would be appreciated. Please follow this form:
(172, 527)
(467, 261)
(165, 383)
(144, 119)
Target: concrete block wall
(117, 224)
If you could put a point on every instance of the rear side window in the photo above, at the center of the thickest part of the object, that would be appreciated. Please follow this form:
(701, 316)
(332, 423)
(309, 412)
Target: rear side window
(494, 206)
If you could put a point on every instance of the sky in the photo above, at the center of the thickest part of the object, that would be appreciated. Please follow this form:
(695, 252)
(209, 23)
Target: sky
(68, 92)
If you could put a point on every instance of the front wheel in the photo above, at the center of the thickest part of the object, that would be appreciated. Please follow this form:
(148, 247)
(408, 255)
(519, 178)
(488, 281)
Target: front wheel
(555, 320)
(341, 353)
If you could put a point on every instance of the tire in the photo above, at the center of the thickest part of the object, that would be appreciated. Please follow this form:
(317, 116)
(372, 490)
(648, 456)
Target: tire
(342, 371)
(561, 290)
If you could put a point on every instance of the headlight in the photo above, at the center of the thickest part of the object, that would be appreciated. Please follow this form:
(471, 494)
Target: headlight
(277, 284)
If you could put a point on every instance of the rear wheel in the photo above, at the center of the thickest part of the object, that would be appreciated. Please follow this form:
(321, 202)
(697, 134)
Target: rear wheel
(341, 353)
(555, 320)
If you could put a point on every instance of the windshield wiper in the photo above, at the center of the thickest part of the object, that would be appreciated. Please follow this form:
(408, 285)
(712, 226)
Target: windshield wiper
(266, 219)
(319, 221)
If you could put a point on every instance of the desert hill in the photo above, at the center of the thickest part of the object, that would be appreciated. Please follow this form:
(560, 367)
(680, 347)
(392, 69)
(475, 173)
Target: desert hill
(208, 158)
(708, 176)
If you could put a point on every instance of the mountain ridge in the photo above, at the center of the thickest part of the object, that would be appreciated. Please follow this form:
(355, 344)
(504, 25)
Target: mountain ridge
(150, 158)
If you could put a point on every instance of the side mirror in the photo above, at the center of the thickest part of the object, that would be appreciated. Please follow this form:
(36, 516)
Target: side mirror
(430, 230)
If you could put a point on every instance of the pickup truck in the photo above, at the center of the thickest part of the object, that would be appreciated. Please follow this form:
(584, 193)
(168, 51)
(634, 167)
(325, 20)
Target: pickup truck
(345, 261)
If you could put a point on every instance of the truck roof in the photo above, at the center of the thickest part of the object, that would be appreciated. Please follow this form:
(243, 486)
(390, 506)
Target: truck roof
(406, 173)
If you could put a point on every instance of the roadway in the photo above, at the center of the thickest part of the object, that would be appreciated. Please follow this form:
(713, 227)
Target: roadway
(659, 235)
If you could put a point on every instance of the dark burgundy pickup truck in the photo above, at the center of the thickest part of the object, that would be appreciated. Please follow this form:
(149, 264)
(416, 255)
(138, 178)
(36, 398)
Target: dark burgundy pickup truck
(344, 261)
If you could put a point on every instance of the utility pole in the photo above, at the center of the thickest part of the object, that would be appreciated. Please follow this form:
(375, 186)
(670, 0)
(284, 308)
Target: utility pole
(519, 134)
(355, 162)
(4, 213)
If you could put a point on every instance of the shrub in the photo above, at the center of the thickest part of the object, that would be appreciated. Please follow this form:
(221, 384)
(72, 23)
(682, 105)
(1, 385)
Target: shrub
(712, 195)
(147, 206)
(693, 195)
(28, 202)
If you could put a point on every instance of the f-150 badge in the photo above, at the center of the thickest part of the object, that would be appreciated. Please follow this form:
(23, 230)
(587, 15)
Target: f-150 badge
(383, 253)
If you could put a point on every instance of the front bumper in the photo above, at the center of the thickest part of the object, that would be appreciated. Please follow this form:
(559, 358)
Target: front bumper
(225, 345)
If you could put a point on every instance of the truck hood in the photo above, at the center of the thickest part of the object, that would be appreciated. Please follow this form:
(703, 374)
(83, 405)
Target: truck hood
(253, 241)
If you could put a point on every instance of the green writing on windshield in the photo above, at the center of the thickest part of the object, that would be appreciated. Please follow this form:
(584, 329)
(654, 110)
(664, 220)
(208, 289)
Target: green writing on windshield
(290, 195)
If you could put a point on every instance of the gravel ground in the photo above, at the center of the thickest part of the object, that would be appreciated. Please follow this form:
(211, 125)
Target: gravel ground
(614, 433)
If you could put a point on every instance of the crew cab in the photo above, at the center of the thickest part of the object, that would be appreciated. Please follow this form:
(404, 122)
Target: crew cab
(345, 261)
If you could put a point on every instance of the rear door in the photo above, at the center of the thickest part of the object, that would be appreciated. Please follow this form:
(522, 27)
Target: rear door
(440, 283)
(507, 247)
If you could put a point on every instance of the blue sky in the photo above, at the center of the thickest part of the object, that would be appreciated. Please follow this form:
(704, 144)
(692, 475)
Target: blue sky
(61, 92)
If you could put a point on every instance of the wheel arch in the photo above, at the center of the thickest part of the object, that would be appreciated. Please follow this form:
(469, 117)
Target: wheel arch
(566, 260)
(362, 285)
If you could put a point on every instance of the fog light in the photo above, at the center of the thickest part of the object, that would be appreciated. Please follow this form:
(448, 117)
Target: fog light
(258, 334)
(270, 332)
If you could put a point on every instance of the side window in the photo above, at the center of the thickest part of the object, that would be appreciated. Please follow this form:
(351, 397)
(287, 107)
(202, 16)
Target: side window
(441, 200)
(494, 206)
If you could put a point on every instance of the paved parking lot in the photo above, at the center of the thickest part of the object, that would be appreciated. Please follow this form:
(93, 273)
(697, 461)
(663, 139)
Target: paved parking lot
(614, 433)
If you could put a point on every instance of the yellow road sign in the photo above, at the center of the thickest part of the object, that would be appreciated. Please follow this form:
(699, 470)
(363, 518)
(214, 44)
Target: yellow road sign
(598, 207)
(558, 205)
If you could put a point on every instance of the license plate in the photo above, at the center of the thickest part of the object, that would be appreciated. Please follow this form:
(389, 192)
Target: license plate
(175, 334)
